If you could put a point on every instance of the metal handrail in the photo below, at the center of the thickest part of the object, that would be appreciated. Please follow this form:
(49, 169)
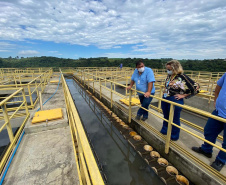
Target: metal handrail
(44, 78)
(8, 126)
(172, 105)
(86, 164)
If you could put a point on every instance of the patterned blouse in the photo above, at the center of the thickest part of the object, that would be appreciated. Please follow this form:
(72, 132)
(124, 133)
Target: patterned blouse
(180, 84)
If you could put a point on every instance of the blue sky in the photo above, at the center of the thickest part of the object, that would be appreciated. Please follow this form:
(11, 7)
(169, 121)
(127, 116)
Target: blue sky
(179, 29)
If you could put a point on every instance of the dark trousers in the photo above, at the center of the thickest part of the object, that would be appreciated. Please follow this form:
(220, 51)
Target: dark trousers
(145, 102)
(211, 131)
(176, 118)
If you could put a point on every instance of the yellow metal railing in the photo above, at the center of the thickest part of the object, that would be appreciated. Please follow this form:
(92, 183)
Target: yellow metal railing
(31, 88)
(17, 76)
(207, 80)
(8, 125)
(88, 170)
(172, 105)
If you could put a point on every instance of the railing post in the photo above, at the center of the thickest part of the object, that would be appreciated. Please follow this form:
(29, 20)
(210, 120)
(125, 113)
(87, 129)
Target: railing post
(8, 126)
(111, 95)
(100, 87)
(45, 80)
(15, 80)
(168, 136)
(20, 80)
(126, 86)
(84, 78)
(40, 81)
(30, 95)
(211, 91)
(208, 86)
(93, 86)
(160, 96)
(40, 100)
(105, 80)
(24, 97)
(130, 111)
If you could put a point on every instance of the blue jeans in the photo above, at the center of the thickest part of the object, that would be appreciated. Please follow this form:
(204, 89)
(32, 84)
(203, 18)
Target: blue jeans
(145, 102)
(211, 131)
(176, 118)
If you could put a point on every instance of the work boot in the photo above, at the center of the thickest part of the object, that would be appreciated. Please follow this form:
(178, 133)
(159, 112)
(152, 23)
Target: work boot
(137, 117)
(217, 165)
(200, 151)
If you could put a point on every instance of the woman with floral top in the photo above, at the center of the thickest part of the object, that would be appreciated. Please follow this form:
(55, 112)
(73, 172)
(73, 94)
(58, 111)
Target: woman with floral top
(177, 87)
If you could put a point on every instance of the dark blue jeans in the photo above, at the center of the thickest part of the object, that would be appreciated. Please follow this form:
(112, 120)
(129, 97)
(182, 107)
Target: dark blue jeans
(176, 118)
(211, 131)
(145, 102)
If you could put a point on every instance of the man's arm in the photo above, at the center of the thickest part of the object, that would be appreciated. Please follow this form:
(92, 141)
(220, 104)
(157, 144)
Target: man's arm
(150, 86)
(217, 91)
(131, 85)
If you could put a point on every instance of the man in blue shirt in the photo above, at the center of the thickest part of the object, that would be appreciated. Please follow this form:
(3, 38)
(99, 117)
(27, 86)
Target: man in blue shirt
(121, 66)
(214, 127)
(144, 79)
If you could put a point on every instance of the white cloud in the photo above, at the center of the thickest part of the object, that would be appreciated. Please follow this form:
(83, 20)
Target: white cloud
(172, 27)
(4, 50)
(28, 52)
(6, 45)
(116, 47)
(53, 51)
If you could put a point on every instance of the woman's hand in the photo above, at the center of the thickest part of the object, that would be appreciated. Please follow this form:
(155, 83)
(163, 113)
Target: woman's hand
(179, 96)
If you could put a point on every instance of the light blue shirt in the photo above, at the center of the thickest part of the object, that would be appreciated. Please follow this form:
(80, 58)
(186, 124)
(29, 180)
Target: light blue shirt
(221, 99)
(143, 80)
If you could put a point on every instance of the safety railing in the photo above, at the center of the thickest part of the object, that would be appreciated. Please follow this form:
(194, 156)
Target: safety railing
(7, 124)
(125, 75)
(19, 76)
(31, 89)
(207, 80)
(88, 170)
(99, 85)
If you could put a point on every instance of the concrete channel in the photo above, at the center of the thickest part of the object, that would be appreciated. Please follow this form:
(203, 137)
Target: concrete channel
(194, 166)
(114, 155)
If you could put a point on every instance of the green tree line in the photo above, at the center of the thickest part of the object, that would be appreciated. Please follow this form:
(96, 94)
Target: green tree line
(213, 65)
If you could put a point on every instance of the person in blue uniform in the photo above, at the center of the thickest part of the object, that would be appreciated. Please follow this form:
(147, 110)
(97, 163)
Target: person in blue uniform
(214, 127)
(144, 79)
(121, 65)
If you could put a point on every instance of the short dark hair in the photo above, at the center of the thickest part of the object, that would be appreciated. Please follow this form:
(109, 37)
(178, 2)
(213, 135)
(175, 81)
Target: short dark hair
(139, 62)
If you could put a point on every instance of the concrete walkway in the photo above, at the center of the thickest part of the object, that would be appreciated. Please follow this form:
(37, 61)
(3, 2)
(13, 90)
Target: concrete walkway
(45, 155)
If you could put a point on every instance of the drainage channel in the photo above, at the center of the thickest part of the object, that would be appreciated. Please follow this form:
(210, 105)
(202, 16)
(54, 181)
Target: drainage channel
(120, 163)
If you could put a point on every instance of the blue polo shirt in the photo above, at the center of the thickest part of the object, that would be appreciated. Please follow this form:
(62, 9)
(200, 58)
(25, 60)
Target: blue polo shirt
(143, 79)
(221, 99)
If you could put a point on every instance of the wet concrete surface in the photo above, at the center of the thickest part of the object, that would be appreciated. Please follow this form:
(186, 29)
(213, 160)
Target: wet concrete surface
(45, 157)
